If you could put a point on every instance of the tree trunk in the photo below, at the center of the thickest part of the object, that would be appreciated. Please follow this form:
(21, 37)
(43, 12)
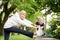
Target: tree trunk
(1, 26)
(1, 29)
(7, 12)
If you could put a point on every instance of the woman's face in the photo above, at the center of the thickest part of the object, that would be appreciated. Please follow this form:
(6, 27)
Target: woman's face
(22, 15)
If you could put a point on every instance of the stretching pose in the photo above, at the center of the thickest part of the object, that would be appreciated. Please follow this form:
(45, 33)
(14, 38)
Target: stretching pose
(13, 23)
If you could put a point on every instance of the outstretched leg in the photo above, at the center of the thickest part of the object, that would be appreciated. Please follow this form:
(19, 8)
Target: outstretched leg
(17, 30)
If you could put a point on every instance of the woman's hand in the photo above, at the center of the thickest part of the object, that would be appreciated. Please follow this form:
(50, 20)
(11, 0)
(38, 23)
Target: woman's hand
(33, 24)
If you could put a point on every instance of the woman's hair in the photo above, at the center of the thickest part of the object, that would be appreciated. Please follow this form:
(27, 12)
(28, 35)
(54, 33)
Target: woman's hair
(22, 11)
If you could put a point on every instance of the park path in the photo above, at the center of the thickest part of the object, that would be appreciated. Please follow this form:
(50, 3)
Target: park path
(45, 38)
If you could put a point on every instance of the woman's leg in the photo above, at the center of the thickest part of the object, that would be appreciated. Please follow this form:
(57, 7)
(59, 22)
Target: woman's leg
(6, 35)
(17, 30)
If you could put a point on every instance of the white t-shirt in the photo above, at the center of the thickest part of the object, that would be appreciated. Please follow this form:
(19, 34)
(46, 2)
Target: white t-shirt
(16, 21)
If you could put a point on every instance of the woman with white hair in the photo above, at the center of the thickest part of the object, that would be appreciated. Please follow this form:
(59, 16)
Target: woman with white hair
(13, 23)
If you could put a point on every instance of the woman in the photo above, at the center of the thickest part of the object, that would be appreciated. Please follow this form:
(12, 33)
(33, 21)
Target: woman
(14, 22)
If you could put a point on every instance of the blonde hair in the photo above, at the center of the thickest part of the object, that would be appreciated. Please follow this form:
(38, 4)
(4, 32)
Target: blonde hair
(22, 11)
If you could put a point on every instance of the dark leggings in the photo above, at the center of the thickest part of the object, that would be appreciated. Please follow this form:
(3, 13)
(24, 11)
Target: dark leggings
(16, 30)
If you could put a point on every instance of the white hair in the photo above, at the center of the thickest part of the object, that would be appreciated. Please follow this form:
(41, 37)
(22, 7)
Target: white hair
(40, 18)
(22, 11)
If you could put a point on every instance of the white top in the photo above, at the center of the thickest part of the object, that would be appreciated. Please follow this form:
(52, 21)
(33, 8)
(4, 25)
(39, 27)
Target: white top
(16, 21)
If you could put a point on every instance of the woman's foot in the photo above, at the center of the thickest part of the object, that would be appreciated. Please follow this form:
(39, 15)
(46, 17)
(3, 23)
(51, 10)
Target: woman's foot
(34, 36)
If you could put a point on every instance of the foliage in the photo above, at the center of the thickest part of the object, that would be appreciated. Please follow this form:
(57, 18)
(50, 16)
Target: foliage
(53, 31)
(33, 9)
(54, 5)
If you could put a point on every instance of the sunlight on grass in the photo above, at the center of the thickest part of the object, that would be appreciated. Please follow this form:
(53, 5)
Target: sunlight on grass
(17, 37)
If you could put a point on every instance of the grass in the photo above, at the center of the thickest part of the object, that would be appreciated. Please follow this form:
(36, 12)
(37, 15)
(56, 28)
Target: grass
(17, 37)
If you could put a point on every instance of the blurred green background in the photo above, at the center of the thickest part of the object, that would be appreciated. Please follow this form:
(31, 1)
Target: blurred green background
(49, 10)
